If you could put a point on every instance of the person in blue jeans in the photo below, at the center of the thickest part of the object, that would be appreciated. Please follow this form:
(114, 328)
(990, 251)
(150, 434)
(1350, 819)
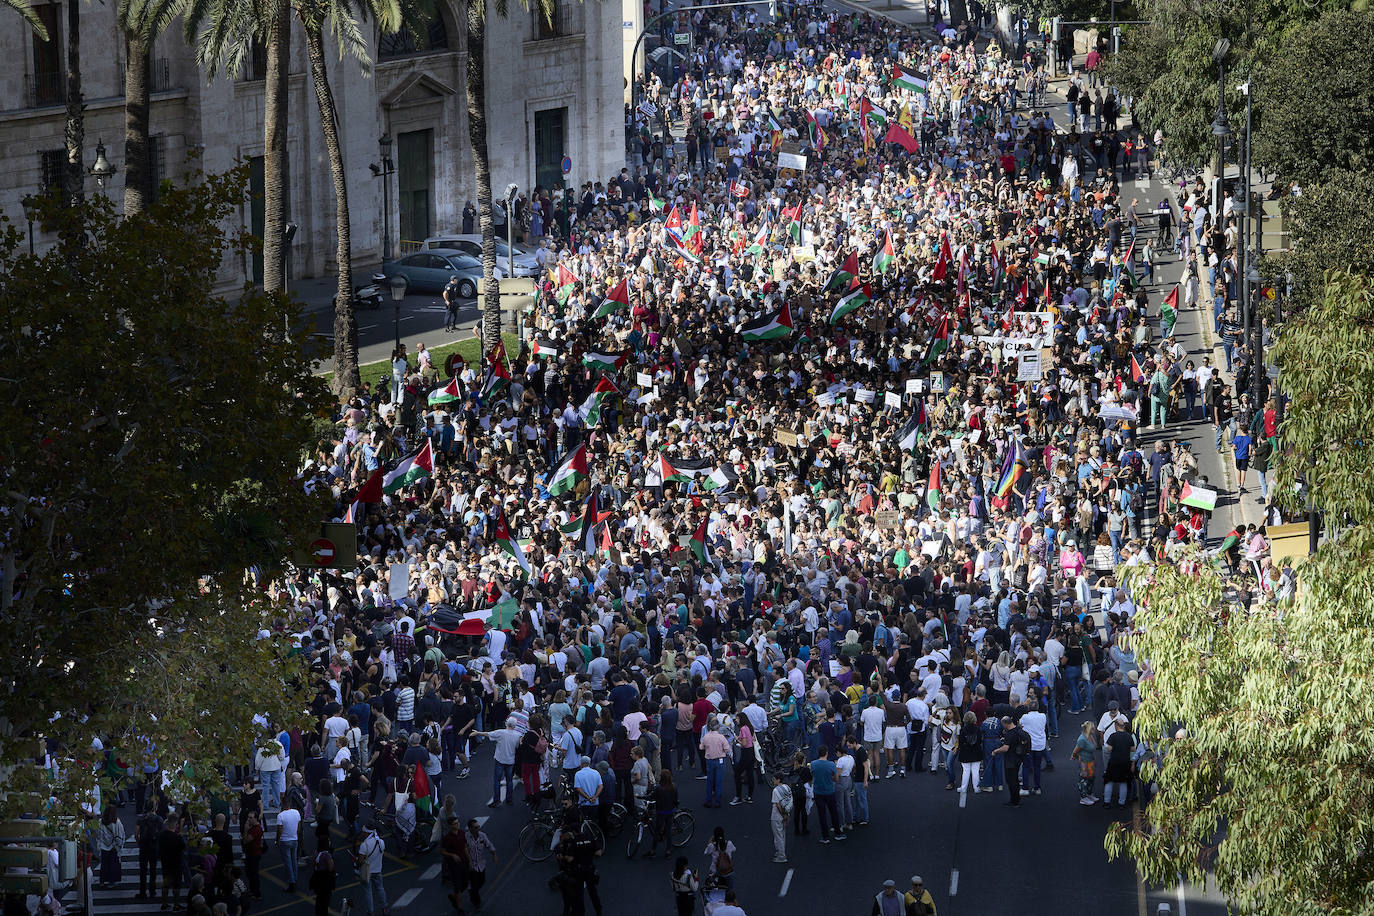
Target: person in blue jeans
(368, 860)
(860, 779)
(823, 790)
(994, 765)
(715, 749)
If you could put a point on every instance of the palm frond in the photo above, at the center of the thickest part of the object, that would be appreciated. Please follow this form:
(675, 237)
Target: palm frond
(23, 8)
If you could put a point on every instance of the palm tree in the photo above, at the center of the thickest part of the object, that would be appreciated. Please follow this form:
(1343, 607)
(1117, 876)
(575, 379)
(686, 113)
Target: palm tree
(340, 14)
(223, 33)
(476, 11)
(142, 21)
(74, 175)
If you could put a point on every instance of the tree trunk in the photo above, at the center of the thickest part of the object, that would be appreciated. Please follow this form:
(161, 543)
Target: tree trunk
(138, 171)
(958, 12)
(346, 379)
(477, 139)
(274, 159)
(74, 178)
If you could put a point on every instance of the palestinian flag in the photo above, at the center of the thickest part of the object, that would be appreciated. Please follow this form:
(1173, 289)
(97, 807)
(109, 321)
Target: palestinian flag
(700, 546)
(572, 471)
(497, 381)
(933, 484)
(1198, 497)
(939, 341)
(656, 205)
(1041, 258)
(618, 298)
(794, 226)
(885, 255)
(604, 362)
(667, 473)
(1168, 309)
(844, 274)
(586, 533)
(563, 283)
(870, 112)
(909, 436)
(370, 492)
(760, 243)
(770, 326)
(445, 395)
(859, 295)
(913, 81)
(544, 349)
(503, 613)
(723, 476)
(1137, 373)
(591, 408)
(691, 235)
(507, 542)
(941, 268)
(410, 469)
(1128, 267)
(571, 526)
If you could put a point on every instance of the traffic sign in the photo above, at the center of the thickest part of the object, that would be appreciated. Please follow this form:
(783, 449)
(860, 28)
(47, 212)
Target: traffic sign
(567, 164)
(322, 551)
(454, 364)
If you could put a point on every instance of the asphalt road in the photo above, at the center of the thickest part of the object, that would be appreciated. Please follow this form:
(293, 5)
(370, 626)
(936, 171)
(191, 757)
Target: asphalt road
(420, 319)
(978, 857)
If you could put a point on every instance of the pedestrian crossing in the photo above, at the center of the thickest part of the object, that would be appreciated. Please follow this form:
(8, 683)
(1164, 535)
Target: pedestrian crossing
(123, 900)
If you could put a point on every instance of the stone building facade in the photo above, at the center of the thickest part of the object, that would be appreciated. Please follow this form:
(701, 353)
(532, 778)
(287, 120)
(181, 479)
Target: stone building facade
(555, 88)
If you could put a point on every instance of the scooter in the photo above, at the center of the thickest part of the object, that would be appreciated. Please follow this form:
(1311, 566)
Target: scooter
(369, 296)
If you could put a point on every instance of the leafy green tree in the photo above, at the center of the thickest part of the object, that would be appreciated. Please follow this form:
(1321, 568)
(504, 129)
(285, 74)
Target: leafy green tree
(1166, 67)
(153, 435)
(1264, 715)
(25, 8)
(1331, 225)
(1317, 98)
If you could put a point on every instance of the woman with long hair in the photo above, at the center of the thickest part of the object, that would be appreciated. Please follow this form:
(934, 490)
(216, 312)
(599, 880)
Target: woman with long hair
(721, 852)
(685, 885)
(109, 840)
(746, 763)
(1085, 752)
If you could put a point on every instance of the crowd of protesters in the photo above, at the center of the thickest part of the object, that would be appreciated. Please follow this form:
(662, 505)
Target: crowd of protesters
(702, 521)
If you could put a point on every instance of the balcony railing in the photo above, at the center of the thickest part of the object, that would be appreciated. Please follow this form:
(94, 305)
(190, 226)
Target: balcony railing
(45, 88)
(159, 75)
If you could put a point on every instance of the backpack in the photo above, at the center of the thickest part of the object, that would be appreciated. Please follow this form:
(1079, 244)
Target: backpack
(541, 745)
(147, 831)
(787, 802)
(724, 864)
(1023, 745)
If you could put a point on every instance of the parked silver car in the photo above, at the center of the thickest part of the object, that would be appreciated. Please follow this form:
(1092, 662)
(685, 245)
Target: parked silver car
(525, 263)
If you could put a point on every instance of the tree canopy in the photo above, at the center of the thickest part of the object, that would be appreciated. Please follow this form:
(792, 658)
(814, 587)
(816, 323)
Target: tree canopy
(1264, 715)
(1317, 98)
(153, 436)
(1331, 225)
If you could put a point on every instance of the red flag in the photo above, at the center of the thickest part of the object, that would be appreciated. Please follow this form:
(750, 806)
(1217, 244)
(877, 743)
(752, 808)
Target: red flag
(942, 262)
(371, 491)
(896, 135)
(1171, 300)
(1023, 297)
(1137, 373)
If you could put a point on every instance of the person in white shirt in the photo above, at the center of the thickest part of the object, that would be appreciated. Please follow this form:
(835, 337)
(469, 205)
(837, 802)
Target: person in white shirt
(872, 721)
(288, 838)
(335, 727)
(368, 860)
(1033, 723)
(844, 789)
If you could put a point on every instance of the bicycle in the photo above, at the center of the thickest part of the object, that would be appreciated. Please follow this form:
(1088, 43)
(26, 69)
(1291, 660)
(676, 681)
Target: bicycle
(538, 838)
(681, 828)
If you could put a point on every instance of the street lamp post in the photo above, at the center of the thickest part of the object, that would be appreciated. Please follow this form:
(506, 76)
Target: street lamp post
(101, 170)
(511, 190)
(28, 215)
(384, 172)
(398, 286)
(1221, 129)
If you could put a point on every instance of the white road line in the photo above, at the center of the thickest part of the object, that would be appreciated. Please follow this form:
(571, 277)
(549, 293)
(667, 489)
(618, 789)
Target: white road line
(406, 899)
(431, 873)
(786, 883)
(954, 882)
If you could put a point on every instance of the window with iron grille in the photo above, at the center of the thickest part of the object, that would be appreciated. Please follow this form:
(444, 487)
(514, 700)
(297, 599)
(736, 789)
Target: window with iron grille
(51, 162)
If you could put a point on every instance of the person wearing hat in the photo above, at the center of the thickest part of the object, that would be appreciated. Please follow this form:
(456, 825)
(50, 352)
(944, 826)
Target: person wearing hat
(888, 902)
(918, 899)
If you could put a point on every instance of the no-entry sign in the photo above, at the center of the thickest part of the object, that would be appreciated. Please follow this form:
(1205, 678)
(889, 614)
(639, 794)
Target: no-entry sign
(322, 551)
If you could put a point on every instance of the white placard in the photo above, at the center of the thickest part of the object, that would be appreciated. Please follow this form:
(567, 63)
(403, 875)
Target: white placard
(892, 399)
(914, 385)
(825, 399)
(1029, 368)
(932, 548)
(792, 161)
(644, 380)
(937, 382)
(400, 581)
(863, 394)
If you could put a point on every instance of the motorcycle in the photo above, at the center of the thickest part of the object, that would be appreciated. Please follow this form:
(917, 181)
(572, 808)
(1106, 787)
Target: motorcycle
(369, 296)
